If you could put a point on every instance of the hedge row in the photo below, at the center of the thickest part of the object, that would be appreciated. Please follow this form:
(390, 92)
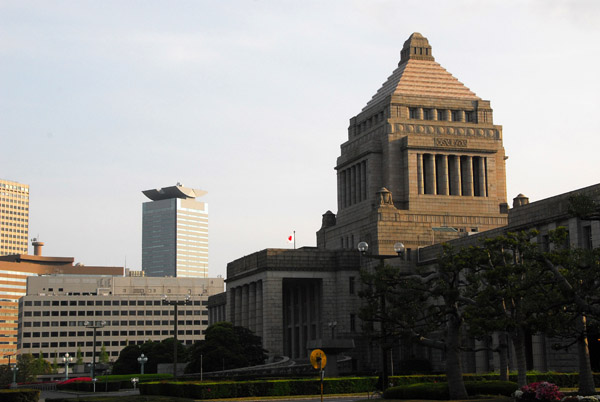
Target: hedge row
(563, 380)
(232, 389)
(440, 390)
(344, 385)
(19, 395)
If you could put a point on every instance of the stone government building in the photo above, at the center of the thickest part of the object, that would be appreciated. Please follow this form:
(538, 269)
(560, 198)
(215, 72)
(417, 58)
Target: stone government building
(423, 164)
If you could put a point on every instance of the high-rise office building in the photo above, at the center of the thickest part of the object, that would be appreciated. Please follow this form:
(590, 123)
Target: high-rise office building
(175, 233)
(14, 217)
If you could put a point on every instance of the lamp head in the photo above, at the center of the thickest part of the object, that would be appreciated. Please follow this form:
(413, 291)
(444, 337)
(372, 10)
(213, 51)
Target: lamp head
(399, 248)
(363, 246)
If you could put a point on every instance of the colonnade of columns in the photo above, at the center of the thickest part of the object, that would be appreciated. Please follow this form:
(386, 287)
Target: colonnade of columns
(246, 306)
(301, 315)
(461, 175)
(352, 185)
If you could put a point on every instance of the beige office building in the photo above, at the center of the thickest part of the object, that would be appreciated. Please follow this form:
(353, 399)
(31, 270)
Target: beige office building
(14, 217)
(53, 314)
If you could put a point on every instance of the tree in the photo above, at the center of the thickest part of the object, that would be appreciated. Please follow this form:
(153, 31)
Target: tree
(425, 307)
(30, 367)
(55, 363)
(157, 353)
(512, 293)
(79, 356)
(127, 361)
(103, 358)
(577, 272)
(226, 347)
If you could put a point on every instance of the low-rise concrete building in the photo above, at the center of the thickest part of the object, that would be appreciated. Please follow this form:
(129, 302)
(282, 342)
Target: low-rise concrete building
(54, 313)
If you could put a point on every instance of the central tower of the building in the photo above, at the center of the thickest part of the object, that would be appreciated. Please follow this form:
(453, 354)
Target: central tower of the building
(423, 162)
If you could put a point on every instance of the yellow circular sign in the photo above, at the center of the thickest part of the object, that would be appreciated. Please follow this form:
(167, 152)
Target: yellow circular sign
(318, 359)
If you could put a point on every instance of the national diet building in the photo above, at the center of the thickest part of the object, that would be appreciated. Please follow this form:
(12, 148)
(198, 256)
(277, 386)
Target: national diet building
(423, 164)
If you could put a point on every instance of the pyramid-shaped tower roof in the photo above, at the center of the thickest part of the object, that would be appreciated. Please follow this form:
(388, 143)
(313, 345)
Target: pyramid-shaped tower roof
(418, 74)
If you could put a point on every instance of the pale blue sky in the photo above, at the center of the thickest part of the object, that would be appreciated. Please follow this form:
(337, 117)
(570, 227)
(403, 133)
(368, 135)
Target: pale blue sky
(250, 101)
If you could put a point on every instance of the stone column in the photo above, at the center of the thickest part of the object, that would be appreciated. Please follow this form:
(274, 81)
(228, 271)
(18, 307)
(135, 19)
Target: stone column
(434, 113)
(461, 115)
(272, 315)
(339, 190)
(466, 163)
(231, 304)
(364, 179)
(420, 189)
(455, 182)
(353, 185)
(348, 188)
(259, 309)
(482, 177)
(442, 174)
(245, 306)
(252, 306)
(430, 179)
(358, 182)
(238, 305)
(420, 113)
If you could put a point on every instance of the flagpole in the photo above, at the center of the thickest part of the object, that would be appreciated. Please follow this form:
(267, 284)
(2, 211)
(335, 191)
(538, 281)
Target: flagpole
(294, 239)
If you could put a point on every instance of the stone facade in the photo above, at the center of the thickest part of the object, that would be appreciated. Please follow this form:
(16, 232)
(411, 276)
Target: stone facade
(428, 142)
(423, 164)
(544, 216)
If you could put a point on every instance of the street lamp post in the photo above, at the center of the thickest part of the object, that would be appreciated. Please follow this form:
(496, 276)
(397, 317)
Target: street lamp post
(175, 304)
(142, 360)
(94, 325)
(66, 360)
(14, 370)
(332, 325)
(399, 249)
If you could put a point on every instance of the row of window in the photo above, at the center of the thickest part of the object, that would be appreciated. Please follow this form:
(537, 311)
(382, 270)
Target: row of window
(108, 313)
(51, 355)
(106, 333)
(39, 303)
(468, 116)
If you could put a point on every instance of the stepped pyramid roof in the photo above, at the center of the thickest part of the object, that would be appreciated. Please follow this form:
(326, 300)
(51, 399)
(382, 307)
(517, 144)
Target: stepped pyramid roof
(419, 74)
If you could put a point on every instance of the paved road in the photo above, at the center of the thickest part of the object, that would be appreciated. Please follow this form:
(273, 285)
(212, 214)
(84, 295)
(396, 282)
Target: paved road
(71, 394)
(60, 394)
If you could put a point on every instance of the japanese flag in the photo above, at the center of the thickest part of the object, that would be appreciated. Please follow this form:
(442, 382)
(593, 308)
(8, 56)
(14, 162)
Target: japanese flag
(290, 238)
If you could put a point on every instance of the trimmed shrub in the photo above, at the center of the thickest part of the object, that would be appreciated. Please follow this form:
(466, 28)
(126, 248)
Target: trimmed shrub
(440, 390)
(20, 395)
(495, 387)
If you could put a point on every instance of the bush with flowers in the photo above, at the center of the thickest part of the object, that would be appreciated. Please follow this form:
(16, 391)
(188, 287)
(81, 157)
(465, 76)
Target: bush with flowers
(538, 391)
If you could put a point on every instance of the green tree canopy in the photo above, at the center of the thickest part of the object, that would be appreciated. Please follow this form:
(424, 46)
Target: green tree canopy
(156, 352)
(226, 347)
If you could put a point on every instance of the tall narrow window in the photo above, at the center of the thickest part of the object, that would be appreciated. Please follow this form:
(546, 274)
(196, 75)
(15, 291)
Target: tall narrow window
(412, 112)
(351, 282)
(587, 237)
